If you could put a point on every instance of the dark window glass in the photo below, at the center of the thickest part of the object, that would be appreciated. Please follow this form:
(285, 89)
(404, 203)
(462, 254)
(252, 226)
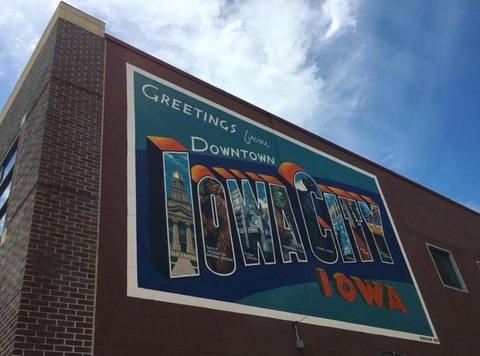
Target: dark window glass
(6, 167)
(446, 268)
(4, 195)
(2, 222)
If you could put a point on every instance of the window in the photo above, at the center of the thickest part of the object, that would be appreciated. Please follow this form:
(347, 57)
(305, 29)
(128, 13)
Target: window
(6, 172)
(446, 268)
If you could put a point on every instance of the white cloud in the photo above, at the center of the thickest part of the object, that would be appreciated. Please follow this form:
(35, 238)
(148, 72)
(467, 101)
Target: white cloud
(253, 49)
(21, 25)
(260, 51)
(339, 14)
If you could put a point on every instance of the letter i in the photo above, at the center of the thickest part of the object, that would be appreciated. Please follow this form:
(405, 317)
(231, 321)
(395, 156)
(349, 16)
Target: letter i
(324, 283)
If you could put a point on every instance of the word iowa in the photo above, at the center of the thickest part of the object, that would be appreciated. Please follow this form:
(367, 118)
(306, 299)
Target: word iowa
(288, 217)
(372, 293)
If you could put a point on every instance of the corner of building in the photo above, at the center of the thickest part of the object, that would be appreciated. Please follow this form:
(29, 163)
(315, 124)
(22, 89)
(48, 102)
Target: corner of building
(51, 129)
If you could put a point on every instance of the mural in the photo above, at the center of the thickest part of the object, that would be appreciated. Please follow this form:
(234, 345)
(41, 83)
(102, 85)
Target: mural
(227, 214)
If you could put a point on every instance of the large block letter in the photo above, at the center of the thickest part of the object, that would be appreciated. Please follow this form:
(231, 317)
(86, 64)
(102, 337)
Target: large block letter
(314, 212)
(252, 221)
(339, 228)
(216, 231)
(372, 216)
(286, 226)
(178, 209)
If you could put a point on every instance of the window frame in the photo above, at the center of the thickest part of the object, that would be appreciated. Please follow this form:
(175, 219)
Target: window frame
(453, 266)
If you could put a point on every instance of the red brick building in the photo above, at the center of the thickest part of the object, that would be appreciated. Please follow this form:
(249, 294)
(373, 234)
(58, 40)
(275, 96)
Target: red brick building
(145, 212)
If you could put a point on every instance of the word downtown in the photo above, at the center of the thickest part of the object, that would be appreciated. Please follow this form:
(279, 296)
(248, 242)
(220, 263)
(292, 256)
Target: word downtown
(201, 145)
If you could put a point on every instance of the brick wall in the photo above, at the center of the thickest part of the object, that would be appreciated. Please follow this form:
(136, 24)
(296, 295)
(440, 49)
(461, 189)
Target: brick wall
(58, 252)
(31, 102)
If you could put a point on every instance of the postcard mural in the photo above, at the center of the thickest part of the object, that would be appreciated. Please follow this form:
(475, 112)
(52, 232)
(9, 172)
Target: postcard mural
(227, 214)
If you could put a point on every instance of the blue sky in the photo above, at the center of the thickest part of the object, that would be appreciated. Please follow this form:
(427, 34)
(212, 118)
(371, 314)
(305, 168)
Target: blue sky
(397, 82)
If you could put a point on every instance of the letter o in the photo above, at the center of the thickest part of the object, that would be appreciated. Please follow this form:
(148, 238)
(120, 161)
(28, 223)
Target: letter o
(345, 287)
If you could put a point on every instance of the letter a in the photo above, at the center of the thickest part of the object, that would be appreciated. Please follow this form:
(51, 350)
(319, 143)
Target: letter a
(394, 301)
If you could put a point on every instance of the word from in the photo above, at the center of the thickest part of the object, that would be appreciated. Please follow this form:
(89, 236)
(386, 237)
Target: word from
(249, 138)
